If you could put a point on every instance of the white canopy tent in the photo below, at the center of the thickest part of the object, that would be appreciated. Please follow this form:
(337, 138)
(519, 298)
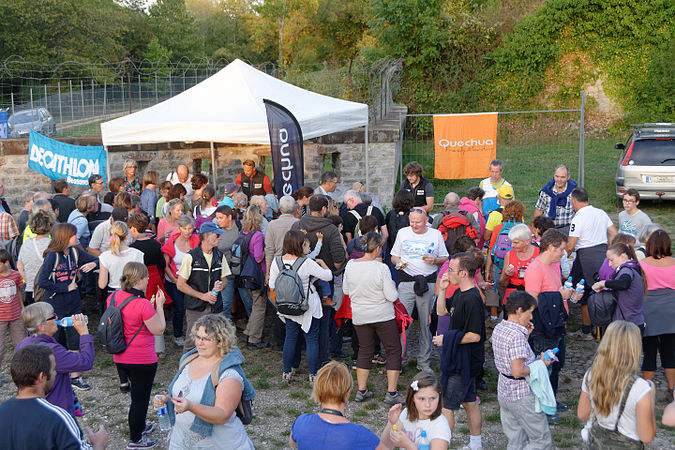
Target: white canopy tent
(228, 108)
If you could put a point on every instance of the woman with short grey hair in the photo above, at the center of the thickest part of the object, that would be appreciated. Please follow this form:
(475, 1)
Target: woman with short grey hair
(40, 321)
(518, 259)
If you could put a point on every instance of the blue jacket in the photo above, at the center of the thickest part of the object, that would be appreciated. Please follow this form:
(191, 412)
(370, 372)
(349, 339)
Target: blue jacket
(540, 383)
(550, 315)
(64, 302)
(232, 360)
(455, 357)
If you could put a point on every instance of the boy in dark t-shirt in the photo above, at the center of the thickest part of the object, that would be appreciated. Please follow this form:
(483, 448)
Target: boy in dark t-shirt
(466, 315)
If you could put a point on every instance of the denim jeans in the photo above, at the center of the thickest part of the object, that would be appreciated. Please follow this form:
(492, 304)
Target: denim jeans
(178, 307)
(540, 344)
(291, 357)
(227, 295)
(246, 298)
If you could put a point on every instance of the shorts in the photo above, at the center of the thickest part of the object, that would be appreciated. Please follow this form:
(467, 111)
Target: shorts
(456, 392)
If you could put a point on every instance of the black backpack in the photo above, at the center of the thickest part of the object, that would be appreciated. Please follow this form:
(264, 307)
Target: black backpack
(601, 307)
(396, 222)
(289, 294)
(239, 252)
(111, 327)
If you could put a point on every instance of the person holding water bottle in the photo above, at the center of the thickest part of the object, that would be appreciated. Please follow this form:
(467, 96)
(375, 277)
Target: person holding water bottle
(418, 252)
(201, 410)
(138, 363)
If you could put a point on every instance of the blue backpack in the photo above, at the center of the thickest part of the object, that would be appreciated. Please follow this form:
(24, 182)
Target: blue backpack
(502, 244)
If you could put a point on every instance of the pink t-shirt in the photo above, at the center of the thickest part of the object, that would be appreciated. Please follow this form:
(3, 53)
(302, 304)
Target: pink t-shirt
(163, 226)
(659, 277)
(540, 277)
(142, 348)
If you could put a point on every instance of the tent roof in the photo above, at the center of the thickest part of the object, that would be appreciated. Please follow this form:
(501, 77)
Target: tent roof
(228, 107)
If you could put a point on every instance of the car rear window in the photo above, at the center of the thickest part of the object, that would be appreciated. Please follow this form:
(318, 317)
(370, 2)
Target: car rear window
(654, 152)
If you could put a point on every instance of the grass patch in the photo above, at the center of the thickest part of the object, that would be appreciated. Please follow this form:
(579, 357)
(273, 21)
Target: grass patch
(570, 421)
(272, 413)
(360, 413)
(105, 363)
(285, 433)
(258, 370)
(299, 395)
(564, 440)
(371, 406)
(262, 383)
(292, 412)
(492, 417)
(157, 385)
(464, 430)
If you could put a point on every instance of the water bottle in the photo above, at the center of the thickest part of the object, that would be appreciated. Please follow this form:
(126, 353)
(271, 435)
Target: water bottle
(163, 418)
(424, 441)
(568, 284)
(551, 353)
(68, 321)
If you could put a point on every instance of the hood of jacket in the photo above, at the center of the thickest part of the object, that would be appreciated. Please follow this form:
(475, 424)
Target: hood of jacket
(313, 223)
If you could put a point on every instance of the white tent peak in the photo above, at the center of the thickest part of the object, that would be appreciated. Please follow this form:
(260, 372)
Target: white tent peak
(228, 107)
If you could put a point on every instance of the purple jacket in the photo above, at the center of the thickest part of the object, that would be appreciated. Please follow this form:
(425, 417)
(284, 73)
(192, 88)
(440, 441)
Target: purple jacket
(66, 362)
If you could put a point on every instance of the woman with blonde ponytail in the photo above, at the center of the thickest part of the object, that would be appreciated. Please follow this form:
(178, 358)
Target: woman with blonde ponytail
(113, 260)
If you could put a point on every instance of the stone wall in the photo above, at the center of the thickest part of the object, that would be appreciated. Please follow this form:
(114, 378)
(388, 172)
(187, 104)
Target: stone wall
(345, 150)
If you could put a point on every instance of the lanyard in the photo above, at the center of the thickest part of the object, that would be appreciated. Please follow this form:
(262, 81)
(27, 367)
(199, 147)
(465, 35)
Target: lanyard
(333, 412)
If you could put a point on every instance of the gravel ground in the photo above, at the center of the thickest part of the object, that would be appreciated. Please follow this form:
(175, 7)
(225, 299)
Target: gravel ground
(277, 404)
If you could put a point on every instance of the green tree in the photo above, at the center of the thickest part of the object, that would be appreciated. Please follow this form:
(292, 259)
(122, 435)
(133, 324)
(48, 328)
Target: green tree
(174, 28)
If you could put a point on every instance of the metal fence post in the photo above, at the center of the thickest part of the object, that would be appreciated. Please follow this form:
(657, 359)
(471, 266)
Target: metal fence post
(46, 105)
(32, 113)
(582, 166)
(105, 95)
(140, 92)
(122, 87)
(156, 92)
(82, 96)
(72, 106)
(12, 96)
(58, 85)
(170, 86)
(93, 107)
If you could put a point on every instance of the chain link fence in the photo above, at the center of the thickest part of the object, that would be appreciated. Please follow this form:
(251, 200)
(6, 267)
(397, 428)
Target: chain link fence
(79, 96)
(531, 145)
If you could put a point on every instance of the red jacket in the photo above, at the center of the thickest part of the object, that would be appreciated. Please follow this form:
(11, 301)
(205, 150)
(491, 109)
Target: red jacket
(169, 249)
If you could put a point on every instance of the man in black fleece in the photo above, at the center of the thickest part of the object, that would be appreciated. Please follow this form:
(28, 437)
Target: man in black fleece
(332, 253)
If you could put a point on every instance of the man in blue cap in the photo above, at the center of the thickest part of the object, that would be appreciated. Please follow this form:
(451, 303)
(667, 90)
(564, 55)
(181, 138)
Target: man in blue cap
(202, 277)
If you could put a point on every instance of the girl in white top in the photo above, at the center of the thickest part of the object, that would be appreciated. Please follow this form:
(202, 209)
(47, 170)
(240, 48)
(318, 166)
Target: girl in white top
(610, 377)
(112, 261)
(422, 415)
(296, 245)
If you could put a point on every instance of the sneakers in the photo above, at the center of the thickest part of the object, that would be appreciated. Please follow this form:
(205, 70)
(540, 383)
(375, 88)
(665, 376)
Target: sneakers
(580, 335)
(79, 383)
(287, 377)
(561, 407)
(552, 420)
(394, 399)
(143, 443)
(311, 380)
(148, 428)
(125, 388)
(378, 359)
(424, 368)
(179, 341)
(361, 396)
(326, 301)
(257, 345)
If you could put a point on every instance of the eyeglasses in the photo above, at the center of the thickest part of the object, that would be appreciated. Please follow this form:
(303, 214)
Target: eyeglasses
(205, 339)
(418, 210)
(53, 317)
(625, 200)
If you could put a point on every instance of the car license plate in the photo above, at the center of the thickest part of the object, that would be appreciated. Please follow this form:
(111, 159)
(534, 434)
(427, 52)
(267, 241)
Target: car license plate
(657, 179)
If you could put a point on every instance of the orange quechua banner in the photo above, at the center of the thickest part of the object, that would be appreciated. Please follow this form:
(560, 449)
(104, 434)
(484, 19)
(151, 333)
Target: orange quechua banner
(464, 145)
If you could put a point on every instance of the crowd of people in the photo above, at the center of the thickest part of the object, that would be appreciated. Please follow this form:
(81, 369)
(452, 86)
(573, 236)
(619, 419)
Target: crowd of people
(313, 271)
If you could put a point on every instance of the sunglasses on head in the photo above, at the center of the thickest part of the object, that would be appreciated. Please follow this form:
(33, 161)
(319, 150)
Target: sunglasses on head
(418, 210)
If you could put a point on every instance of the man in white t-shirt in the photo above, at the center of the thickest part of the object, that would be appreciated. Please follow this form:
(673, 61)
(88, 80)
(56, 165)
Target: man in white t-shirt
(418, 252)
(590, 230)
(632, 220)
(182, 175)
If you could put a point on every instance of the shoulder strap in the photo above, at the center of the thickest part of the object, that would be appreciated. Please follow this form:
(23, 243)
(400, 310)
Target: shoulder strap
(279, 262)
(369, 210)
(187, 359)
(355, 214)
(37, 251)
(624, 397)
(298, 262)
(215, 374)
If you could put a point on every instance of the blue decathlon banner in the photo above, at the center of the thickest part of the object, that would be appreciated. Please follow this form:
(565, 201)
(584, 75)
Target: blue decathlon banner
(56, 159)
(286, 146)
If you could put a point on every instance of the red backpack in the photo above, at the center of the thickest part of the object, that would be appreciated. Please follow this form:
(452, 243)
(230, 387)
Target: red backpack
(454, 225)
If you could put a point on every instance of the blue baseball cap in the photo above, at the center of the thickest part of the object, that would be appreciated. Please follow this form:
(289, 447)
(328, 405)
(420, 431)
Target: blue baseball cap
(210, 227)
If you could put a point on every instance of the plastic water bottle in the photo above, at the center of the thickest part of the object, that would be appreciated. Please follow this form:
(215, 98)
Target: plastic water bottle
(579, 291)
(424, 441)
(68, 321)
(551, 353)
(163, 418)
(568, 284)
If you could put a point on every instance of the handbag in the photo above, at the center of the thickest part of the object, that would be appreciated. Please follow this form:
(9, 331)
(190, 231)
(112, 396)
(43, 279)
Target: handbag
(601, 438)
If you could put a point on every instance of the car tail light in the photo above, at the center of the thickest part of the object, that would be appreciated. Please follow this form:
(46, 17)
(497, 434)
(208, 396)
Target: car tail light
(626, 158)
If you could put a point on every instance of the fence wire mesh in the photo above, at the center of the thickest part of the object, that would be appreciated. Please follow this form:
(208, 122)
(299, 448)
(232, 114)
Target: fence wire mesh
(530, 144)
(79, 96)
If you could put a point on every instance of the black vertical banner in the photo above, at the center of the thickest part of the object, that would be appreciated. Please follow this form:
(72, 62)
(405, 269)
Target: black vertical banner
(286, 142)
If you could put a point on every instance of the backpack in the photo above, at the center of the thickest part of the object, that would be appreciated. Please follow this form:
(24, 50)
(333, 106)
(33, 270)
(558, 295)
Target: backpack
(396, 222)
(38, 291)
(111, 327)
(454, 225)
(601, 307)
(502, 244)
(357, 230)
(239, 252)
(289, 294)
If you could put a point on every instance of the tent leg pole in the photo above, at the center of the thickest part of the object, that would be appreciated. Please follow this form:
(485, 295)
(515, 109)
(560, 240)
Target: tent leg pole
(213, 167)
(367, 165)
(107, 164)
